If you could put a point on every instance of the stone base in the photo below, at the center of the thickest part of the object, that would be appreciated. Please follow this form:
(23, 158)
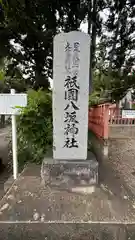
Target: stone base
(71, 175)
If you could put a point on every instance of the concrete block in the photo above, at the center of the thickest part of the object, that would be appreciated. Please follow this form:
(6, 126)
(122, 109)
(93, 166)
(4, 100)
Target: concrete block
(73, 175)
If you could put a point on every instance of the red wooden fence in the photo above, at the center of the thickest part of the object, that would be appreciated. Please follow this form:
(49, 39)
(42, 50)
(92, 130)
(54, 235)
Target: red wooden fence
(104, 115)
(115, 117)
(98, 120)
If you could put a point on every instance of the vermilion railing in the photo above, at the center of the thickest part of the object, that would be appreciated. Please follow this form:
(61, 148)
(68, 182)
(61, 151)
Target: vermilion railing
(115, 117)
(104, 115)
(98, 120)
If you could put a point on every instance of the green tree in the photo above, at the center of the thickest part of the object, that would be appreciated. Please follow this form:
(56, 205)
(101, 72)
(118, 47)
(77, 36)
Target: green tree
(32, 26)
(34, 126)
(115, 57)
(11, 77)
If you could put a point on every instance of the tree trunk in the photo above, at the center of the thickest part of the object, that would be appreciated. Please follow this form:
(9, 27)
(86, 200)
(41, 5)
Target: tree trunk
(92, 31)
(41, 81)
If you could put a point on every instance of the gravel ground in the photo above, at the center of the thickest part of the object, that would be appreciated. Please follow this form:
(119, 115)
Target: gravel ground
(122, 160)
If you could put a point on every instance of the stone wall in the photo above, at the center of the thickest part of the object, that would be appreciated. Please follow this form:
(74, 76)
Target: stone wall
(122, 131)
(98, 146)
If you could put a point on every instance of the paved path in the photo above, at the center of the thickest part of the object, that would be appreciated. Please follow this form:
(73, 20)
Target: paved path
(28, 201)
(76, 231)
(6, 175)
(28, 211)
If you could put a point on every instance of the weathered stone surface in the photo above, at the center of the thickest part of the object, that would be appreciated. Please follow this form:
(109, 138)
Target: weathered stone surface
(69, 174)
(71, 61)
(51, 231)
(122, 131)
(98, 146)
(131, 232)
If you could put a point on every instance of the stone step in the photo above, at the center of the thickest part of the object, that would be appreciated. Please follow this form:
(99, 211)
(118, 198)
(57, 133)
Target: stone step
(70, 174)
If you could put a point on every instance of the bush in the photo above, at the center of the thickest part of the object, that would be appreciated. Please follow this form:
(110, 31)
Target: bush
(94, 98)
(34, 127)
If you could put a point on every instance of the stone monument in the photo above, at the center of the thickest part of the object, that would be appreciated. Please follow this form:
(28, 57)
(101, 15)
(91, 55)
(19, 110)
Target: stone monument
(70, 166)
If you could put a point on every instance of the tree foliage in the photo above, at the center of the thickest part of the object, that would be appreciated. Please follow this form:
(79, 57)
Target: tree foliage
(11, 77)
(31, 26)
(34, 127)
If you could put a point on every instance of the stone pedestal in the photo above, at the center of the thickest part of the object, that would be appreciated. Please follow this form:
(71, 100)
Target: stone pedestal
(71, 175)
